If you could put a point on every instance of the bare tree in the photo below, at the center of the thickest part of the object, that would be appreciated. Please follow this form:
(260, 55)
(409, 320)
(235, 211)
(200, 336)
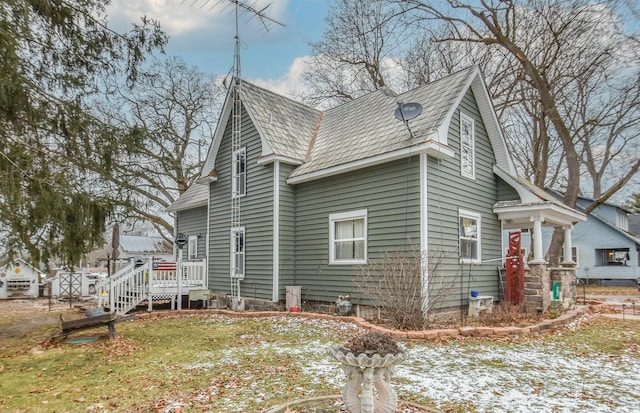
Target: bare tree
(557, 46)
(357, 52)
(605, 112)
(157, 148)
(522, 118)
(394, 283)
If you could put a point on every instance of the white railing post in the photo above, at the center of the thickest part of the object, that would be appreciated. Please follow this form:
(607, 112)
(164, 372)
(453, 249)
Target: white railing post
(179, 277)
(111, 293)
(148, 281)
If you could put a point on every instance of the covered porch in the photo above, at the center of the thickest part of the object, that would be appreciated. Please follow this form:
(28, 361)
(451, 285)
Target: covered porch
(534, 210)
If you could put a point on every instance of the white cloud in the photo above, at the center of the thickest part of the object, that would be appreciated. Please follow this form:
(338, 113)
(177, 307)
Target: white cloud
(202, 32)
(180, 18)
(175, 18)
(288, 83)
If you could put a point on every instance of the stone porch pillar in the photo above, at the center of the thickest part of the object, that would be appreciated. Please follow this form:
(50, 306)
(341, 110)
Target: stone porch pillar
(537, 285)
(566, 276)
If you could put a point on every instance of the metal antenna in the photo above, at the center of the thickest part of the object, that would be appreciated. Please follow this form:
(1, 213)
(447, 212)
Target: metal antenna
(238, 153)
(245, 9)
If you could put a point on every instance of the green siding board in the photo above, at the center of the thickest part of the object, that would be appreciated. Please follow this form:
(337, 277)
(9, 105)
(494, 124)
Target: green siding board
(506, 192)
(382, 191)
(287, 231)
(449, 191)
(256, 216)
(191, 222)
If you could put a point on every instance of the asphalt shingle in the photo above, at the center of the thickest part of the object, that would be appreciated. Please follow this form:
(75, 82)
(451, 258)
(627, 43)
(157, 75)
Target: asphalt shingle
(367, 126)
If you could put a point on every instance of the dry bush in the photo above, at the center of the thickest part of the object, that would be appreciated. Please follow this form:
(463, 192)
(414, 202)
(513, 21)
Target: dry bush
(394, 283)
(506, 314)
(371, 342)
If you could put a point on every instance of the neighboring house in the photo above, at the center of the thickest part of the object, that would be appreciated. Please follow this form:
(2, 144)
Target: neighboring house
(603, 246)
(141, 248)
(634, 224)
(317, 195)
(19, 279)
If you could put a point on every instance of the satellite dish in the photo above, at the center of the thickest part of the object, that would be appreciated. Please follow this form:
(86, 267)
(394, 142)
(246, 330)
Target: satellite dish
(406, 111)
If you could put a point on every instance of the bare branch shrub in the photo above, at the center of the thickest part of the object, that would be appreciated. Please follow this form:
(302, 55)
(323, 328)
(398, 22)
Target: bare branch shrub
(507, 314)
(394, 283)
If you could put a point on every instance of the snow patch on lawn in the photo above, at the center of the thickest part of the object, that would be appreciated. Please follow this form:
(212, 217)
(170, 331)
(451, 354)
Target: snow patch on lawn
(520, 378)
(531, 376)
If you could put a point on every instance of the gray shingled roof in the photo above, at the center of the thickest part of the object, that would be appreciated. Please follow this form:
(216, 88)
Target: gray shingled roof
(196, 195)
(287, 125)
(367, 126)
(359, 131)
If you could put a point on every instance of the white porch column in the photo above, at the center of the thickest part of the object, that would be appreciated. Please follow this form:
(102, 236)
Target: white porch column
(538, 253)
(568, 257)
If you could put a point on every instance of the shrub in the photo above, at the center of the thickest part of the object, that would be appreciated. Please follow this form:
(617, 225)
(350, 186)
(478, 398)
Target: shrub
(394, 283)
(371, 343)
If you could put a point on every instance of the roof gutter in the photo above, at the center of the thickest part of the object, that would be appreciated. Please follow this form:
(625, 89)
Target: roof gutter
(430, 147)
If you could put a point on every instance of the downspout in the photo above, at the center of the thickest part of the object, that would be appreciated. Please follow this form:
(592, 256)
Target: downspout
(276, 231)
(424, 239)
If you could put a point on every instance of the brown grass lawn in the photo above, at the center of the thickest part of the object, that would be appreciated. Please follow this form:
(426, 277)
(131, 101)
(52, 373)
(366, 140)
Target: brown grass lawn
(211, 363)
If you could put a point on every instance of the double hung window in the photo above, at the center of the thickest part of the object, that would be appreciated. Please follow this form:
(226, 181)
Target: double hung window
(469, 233)
(239, 175)
(348, 237)
(237, 252)
(192, 247)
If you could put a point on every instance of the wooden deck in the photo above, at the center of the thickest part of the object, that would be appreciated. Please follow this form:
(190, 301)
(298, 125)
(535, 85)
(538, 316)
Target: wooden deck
(132, 285)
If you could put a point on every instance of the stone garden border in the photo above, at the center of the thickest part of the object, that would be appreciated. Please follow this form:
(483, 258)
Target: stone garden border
(466, 331)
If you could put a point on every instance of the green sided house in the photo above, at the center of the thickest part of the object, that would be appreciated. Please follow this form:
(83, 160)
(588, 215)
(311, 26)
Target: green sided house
(291, 196)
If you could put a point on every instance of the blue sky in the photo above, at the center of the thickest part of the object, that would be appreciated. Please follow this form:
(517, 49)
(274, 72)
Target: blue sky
(202, 32)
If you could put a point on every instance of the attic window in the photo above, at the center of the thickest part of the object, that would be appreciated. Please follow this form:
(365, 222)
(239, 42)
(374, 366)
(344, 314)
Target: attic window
(623, 222)
(467, 147)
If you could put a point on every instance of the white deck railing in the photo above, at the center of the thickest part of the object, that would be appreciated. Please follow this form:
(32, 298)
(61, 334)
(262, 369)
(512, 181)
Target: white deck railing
(130, 286)
(194, 273)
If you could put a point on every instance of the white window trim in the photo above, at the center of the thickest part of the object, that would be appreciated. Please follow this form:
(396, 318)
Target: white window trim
(344, 216)
(463, 172)
(623, 220)
(234, 174)
(478, 218)
(232, 251)
(192, 247)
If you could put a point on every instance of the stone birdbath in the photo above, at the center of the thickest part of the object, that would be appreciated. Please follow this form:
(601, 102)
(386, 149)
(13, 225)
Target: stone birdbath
(367, 361)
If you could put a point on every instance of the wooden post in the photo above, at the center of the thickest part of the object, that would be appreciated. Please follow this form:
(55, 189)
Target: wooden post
(514, 271)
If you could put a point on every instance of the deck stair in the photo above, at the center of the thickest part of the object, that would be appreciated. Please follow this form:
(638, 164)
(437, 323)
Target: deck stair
(131, 285)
